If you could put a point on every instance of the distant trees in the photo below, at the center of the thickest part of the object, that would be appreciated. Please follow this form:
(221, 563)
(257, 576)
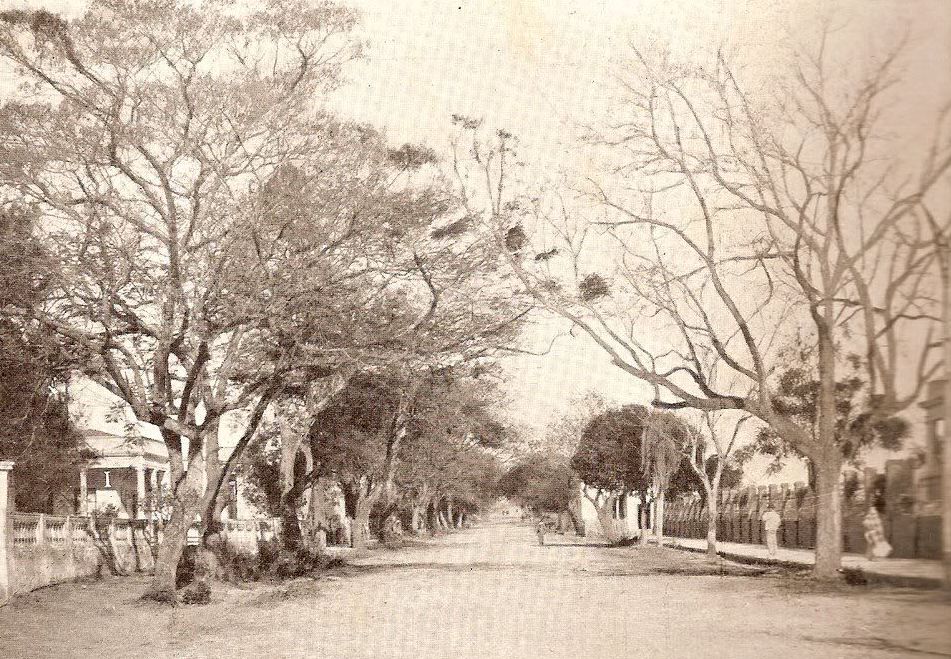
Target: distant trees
(545, 484)
(413, 447)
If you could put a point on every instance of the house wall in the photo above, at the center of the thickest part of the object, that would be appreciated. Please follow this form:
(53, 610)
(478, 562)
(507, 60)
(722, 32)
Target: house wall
(626, 514)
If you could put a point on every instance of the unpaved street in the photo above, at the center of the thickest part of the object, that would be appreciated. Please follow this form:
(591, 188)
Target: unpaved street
(492, 592)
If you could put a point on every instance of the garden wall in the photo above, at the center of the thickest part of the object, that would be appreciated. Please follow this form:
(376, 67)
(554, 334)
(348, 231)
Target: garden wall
(739, 512)
(46, 549)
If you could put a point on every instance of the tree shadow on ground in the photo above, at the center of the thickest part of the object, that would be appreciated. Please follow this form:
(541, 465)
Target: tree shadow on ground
(877, 643)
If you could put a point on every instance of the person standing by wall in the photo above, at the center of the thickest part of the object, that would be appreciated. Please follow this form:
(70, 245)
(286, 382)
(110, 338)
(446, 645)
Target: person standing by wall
(876, 546)
(771, 521)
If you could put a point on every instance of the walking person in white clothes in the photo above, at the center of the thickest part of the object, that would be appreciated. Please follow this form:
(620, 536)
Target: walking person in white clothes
(771, 522)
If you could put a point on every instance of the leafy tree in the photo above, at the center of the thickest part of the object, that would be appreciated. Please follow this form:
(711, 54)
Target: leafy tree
(449, 463)
(218, 237)
(609, 460)
(36, 431)
(857, 427)
(352, 439)
(540, 482)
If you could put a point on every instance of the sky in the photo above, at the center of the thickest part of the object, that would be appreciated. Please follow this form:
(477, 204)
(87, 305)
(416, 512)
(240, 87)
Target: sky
(541, 68)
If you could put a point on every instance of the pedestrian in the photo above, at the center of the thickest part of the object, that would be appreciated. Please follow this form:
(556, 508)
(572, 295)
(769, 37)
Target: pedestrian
(771, 522)
(540, 531)
(876, 546)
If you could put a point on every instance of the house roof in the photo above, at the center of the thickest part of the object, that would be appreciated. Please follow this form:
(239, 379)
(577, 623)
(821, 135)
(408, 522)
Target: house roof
(107, 444)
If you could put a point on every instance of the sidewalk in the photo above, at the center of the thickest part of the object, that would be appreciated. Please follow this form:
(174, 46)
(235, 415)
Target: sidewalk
(910, 572)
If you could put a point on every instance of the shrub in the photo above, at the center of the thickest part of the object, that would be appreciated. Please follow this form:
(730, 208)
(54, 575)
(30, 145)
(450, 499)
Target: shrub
(197, 592)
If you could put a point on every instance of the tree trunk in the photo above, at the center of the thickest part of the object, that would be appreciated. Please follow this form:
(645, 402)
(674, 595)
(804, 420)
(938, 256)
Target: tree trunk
(318, 514)
(712, 526)
(214, 503)
(829, 464)
(642, 522)
(575, 505)
(828, 519)
(945, 260)
(291, 537)
(290, 495)
(186, 504)
(576, 521)
(360, 523)
(606, 519)
(432, 516)
(659, 519)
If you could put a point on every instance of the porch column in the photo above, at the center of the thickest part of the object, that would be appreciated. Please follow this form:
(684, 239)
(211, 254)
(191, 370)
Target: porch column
(83, 493)
(153, 481)
(5, 467)
(140, 491)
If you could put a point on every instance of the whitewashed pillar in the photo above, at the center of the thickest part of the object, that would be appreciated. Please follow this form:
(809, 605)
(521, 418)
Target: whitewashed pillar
(5, 467)
(154, 481)
(83, 493)
(140, 491)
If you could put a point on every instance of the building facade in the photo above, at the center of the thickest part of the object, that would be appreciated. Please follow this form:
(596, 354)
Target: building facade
(128, 476)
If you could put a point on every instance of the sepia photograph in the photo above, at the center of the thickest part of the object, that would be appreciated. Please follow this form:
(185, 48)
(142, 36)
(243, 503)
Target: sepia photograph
(489, 329)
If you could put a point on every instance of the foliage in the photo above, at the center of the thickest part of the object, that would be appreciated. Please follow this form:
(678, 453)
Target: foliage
(540, 482)
(857, 428)
(592, 287)
(259, 470)
(609, 456)
(36, 431)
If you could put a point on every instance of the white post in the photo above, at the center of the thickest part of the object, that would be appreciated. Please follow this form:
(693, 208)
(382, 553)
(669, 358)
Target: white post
(153, 480)
(140, 491)
(5, 467)
(83, 493)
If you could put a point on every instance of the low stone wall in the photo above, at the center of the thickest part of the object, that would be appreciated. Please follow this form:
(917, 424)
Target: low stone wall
(46, 549)
(245, 535)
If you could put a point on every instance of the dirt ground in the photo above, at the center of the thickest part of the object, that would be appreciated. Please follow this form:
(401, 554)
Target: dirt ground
(492, 592)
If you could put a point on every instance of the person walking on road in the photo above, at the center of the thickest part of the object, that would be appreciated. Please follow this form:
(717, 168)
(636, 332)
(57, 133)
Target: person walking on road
(771, 522)
(540, 529)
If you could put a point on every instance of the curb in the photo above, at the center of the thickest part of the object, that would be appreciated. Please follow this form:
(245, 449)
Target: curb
(858, 574)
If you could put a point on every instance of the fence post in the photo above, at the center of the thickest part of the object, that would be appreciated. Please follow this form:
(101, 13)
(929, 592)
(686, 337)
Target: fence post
(41, 530)
(5, 467)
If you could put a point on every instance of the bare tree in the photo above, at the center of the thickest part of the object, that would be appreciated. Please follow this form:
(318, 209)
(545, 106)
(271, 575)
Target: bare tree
(663, 436)
(727, 227)
(697, 451)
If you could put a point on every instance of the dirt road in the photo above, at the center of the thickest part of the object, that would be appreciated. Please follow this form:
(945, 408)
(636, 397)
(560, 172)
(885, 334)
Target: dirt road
(492, 592)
